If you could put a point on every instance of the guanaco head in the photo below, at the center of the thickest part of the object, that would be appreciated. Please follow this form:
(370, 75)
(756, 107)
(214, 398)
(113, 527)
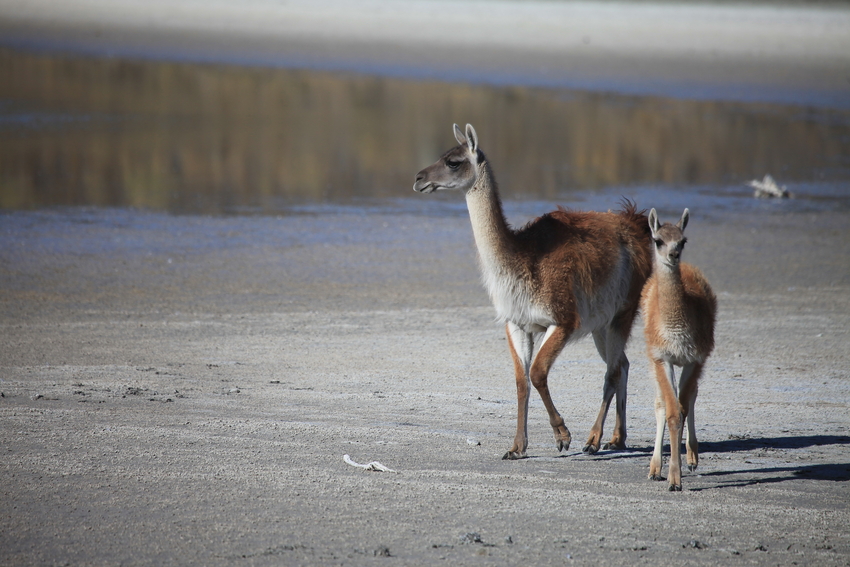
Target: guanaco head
(669, 239)
(456, 169)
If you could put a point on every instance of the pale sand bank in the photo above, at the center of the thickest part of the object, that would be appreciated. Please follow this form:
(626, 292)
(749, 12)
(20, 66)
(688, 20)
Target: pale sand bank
(763, 52)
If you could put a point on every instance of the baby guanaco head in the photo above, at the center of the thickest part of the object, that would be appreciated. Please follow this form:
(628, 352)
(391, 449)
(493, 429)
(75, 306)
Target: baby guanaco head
(668, 239)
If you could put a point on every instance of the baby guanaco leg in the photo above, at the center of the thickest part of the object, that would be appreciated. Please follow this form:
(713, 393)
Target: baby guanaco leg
(688, 387)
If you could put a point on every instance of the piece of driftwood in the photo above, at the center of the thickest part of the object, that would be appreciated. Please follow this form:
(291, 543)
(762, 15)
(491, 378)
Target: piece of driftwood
(767, 188)
(373, 466)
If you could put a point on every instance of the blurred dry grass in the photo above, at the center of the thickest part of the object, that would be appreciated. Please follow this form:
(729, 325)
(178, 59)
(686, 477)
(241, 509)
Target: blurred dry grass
(211, 138)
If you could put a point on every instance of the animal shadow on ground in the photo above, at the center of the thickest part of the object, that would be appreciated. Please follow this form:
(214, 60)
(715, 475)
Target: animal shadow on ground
(619, 454)
(602, 455)
(737, 444)
(837, 472)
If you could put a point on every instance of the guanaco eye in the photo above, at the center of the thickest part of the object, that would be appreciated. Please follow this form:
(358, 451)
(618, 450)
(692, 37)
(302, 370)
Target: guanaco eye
(453, 164)
(659, 243)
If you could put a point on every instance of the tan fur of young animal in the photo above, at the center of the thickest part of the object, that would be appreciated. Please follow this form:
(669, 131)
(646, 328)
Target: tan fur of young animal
(565, 275)
(679, 311)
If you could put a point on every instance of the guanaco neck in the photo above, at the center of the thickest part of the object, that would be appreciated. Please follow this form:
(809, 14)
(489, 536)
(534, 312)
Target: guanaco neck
(667, 274)
(493, 236)
(669, 287)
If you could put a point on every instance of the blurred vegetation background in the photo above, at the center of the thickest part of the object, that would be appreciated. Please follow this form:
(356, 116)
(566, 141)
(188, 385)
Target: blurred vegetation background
(210, 138)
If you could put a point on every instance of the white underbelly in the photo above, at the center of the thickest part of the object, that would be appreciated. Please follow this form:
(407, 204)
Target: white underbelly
(514, 302)
(596, 310)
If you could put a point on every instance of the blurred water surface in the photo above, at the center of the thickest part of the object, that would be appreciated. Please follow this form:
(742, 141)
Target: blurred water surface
(214, 139)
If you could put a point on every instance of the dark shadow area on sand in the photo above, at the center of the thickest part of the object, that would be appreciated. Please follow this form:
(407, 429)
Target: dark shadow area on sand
(728, 446)
(839, 472)
(748, 444)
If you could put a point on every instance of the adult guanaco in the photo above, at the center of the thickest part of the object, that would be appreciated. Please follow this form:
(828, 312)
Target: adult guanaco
(565, 275)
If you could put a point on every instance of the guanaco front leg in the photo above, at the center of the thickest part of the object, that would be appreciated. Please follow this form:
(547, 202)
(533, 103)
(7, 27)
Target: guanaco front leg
(657, 461)
(535, 372)
(521, 345)
(674, 424)
(551, 346)
(665, 380)
(688, 389)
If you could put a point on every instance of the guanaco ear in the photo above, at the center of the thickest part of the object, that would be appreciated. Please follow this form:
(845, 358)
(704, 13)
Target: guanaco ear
(653, 222)
(472, 138)
(461, 139)
(683, 222)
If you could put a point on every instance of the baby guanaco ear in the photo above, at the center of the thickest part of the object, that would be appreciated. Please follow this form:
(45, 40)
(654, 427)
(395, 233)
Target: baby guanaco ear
(461, 139)
(683, 222)
(653, 222)
(472, 138)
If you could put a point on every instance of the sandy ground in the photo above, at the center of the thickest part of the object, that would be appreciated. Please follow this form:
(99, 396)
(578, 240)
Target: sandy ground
(182, 390)
(773, 52)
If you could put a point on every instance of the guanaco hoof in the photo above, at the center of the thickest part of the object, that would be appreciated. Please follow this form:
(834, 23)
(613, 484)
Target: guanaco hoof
(590, 449)
(656, 477)
(675, 488)
(692, 468)
(513, 456)
(563, 446)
